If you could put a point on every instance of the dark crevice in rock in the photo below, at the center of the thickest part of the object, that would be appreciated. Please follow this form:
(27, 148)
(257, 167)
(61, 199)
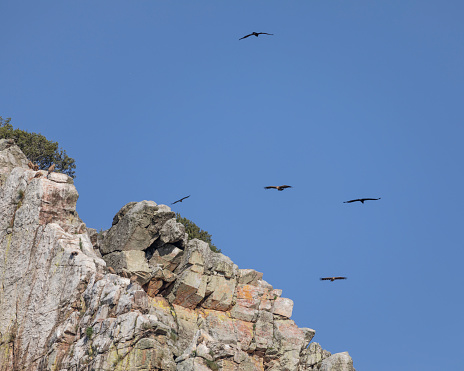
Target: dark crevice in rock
(150, 250)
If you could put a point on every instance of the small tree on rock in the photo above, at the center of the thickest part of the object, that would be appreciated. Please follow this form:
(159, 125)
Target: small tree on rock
(38, 149)
(195, 231)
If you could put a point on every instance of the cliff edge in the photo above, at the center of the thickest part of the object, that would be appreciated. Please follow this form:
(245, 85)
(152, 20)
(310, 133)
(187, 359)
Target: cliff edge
(139, 296)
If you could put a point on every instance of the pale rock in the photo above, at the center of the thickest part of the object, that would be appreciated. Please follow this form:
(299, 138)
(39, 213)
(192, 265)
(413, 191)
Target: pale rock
(198, 254)
(249, 277)
(132, 261)
(189, 289)
(193, 364)
(137, 227)
(264, 333)
(244, 313)
(172, 232)
(221, 291)
(219, 327)
(223, 265)
(283, 307)
(7, 143)
(10, 157)
(265, 285)
(55, 288)
(338, 362)
(168, 256)
(276, 293)
(123, 211)
(312, 357)
(59, 178)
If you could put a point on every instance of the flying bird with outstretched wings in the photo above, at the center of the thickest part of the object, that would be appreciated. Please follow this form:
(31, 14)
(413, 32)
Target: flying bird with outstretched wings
(361, 200)
(333, 278)
(256, 34)
(279, 188)
(182, 199)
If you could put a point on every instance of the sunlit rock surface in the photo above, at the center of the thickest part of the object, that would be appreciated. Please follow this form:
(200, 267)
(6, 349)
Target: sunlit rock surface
(139, 296)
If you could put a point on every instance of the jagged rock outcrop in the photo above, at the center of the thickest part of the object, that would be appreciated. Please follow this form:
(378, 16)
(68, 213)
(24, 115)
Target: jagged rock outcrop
(170, 303)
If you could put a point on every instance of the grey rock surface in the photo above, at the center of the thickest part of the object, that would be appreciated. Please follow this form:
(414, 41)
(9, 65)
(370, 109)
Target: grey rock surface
(155, 301)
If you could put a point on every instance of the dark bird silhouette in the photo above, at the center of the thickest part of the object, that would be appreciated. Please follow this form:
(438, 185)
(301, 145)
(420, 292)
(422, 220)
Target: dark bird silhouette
(362, 200)
(182, 199)
(279, 188)
(256, 34)
(333, 278)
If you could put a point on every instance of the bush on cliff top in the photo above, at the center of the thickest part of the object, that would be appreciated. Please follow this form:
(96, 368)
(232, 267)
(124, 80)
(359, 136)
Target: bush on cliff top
(38, 149)
(195, 231)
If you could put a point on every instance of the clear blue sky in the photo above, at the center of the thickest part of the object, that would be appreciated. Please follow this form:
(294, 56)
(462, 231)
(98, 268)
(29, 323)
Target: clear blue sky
(156, 100)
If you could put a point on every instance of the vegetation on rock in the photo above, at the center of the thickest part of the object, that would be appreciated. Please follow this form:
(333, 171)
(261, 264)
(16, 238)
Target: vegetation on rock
(195, 231)
(38, 149)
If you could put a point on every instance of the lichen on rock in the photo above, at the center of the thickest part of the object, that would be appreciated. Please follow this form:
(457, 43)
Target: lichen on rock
(139, 296)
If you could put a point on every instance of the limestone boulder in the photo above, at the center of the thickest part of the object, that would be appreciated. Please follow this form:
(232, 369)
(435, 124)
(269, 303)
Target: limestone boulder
(283, 307)
(167, 256)
(222, 265)
(338, 362)
(219, 292)
(196, 257)
(249, 277)
(132, 262)
(136, 227)
(172, 232)
(189, 289)
(311, 358)
(10, 157)
(156, 301)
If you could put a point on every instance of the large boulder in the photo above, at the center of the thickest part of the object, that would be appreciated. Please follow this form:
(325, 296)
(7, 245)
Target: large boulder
(338, 362)
(136, 227)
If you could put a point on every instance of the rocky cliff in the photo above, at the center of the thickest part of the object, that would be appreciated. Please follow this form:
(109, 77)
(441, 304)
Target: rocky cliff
(139, 296)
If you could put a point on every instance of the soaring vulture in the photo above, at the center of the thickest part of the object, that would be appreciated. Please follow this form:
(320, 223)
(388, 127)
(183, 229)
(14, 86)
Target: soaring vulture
(362, 200)
(333, 278)
(279, 188)
(256, 34)
(182, 199)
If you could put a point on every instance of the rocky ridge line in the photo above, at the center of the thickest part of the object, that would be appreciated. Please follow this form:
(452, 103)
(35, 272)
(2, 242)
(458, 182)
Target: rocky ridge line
(139, 296)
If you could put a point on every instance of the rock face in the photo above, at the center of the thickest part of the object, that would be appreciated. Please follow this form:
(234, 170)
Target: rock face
(139, 296)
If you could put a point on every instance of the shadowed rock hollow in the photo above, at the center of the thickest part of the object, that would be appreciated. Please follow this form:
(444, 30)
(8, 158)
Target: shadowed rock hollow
(171, 304)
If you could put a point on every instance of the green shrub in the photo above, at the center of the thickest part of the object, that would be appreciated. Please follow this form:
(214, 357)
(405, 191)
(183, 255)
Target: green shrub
(89, 332)
(38, 149)
(195, 231)
(212, 365)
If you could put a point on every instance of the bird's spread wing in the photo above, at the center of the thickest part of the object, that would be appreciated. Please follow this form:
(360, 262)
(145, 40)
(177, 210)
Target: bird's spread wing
(285, 186)
(371, 199)
(326, 278)
(265, 33)
(244, 37)
(347, 202)
(270, 187)
(182, 199)
(340, 278)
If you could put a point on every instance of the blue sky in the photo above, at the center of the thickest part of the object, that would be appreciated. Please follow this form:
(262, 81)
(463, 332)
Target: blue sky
(157, 100)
